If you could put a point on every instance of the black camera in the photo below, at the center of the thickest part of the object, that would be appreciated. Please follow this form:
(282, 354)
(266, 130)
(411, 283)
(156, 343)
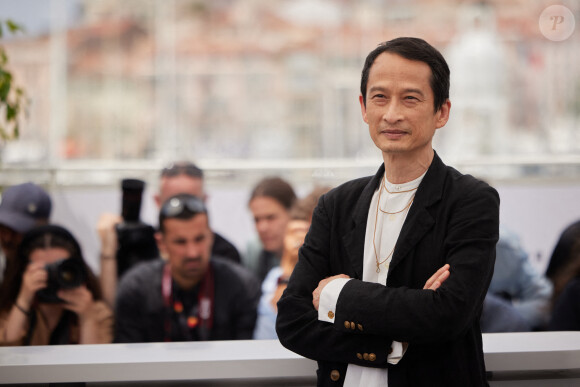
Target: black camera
(136, 240)
(66, 273)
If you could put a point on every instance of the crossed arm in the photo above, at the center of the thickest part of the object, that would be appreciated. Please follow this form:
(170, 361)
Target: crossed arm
(432, 283)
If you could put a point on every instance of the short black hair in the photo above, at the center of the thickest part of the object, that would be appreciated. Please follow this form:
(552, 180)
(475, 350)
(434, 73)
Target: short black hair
(179, 168)
(418, 50)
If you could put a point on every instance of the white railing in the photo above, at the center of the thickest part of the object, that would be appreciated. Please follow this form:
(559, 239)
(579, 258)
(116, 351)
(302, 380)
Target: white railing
(522, 359)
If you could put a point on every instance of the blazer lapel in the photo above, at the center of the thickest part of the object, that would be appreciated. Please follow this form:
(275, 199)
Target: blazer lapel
(419, 220)
(354, 240)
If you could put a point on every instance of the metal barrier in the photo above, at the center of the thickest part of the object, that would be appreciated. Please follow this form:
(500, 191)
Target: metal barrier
(512, 359)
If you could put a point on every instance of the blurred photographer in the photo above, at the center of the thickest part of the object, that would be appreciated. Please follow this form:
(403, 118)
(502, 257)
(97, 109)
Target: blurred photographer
(53, 297)
(192, 295)
(177, 178)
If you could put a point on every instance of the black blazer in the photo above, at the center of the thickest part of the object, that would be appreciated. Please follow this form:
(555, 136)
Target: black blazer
(454, 219)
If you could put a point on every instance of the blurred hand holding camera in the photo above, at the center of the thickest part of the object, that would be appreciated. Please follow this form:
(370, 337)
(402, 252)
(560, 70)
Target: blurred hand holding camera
(78, 300)
(35, 278)
(106, 228)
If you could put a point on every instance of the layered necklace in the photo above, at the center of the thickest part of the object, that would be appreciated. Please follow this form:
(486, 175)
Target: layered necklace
(378, 260)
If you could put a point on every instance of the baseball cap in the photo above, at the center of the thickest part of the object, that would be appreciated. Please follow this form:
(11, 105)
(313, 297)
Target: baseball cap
(22, 205)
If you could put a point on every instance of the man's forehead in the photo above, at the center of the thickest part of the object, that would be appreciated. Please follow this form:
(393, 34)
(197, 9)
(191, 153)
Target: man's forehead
(393, 64)
(174, 226)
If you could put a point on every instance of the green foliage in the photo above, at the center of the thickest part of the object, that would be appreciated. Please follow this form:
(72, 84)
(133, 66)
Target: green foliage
(12, 98)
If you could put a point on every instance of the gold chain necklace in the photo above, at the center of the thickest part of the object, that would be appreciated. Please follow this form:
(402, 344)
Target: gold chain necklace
(398, 192)
(398, 212)
(379, 262)
(405, 208)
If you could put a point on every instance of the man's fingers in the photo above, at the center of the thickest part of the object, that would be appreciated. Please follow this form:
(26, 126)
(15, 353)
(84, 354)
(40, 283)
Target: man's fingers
(439, 280)
(442, 269)
(440, 275)
(443, 277)
(316, 293)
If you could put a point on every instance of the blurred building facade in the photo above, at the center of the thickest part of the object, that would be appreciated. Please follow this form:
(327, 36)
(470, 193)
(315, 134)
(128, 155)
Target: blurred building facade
(253, 87)
(279, 79)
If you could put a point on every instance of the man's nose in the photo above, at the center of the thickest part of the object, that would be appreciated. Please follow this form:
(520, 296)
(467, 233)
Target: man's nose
(393, 112)
(262, 225)
(192, 249)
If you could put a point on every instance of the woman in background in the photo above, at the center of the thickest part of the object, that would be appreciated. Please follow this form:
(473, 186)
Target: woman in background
(270, 204)
(53, 297)
(277, 278)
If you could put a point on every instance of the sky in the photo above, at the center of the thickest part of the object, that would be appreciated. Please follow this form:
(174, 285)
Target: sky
(34, 15)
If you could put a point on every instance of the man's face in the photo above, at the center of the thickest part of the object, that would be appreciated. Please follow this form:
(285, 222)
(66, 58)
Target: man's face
(271, 219)
(399, 106)
(180, 184)
(187, 245)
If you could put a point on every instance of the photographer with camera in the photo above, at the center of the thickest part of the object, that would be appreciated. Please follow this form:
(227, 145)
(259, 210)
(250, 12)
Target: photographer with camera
(52, 296)
(125, 240)
(192, 295)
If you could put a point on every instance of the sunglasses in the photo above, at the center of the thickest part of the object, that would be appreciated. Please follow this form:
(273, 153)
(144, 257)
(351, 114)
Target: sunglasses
(176, 169)
(176, 206)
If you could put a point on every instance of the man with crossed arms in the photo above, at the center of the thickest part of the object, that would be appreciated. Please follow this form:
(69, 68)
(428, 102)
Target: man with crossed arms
(389, 285)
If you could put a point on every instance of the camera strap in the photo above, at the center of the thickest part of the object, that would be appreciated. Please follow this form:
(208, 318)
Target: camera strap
(199, 318)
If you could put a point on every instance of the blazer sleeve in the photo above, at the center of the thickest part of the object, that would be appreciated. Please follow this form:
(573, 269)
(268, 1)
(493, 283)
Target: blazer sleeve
(297, 323)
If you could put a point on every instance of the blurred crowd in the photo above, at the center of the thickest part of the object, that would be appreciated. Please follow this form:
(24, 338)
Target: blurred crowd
(178, 280)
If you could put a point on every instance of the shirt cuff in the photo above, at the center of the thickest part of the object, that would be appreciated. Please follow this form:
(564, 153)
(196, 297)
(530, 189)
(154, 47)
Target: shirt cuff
(329, 298)
(398, 349)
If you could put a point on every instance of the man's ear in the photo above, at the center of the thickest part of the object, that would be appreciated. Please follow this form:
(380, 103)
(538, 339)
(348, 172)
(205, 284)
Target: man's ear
(363, 108)
(443, 114)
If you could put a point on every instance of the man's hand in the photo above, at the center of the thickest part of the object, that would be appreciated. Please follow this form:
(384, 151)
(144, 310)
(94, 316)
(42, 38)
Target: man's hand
(438, 278)
(316, 293)
(107, 234)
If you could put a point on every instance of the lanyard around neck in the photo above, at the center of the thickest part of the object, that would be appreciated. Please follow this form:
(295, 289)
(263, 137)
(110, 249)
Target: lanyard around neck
(200, 317)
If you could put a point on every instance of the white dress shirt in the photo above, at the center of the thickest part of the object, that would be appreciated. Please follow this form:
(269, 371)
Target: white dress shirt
(384, 225)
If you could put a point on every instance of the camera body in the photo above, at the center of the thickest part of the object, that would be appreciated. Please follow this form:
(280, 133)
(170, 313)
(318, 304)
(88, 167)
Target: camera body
(67, 273)
(136, 239)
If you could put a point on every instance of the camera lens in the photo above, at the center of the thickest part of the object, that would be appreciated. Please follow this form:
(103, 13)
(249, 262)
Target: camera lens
(69, 274)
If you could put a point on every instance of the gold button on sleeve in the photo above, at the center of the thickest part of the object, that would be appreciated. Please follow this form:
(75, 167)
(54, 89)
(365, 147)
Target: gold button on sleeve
(366, 356)
(372, 357)
(334, 375)
(359, 356)
(352, 325)
(359, 326)
(347, 325)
